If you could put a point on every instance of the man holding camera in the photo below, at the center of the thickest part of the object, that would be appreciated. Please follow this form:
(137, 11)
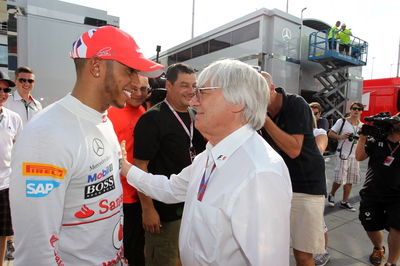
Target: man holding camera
(347, 169)
(380, 195)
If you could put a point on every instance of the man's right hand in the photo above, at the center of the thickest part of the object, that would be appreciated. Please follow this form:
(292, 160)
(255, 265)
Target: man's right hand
(151, 221)
(345, 136)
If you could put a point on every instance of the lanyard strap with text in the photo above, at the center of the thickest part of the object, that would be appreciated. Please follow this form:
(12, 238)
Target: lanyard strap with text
(189, 133)
(395, 149)
(204, 181)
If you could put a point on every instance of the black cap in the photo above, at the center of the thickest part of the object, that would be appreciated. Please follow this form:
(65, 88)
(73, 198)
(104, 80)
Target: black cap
(3, 76)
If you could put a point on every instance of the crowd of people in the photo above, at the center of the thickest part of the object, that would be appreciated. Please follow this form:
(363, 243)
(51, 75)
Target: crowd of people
(219, 168)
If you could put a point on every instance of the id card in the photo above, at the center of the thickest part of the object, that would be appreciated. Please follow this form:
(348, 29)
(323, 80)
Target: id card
(388, 161)
(192, 153)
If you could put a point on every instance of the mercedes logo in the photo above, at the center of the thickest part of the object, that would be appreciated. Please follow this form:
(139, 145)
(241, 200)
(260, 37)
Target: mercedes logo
(98, 146)
(286, 34)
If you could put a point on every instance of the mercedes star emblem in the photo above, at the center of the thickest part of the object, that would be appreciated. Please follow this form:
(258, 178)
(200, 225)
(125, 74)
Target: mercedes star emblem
(98, 147)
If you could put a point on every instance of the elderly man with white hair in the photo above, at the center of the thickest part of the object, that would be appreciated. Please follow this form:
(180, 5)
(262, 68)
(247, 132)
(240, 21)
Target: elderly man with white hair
(237, 193)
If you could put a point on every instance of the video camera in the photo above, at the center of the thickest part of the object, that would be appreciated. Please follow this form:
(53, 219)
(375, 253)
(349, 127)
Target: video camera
(380, 125)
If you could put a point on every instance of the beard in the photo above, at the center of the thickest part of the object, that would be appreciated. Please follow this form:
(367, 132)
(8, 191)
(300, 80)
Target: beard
(111, 88)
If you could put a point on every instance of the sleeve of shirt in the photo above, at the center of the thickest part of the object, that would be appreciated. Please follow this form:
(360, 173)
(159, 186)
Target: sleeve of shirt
(19, 126)
(337, 125)
(37, 191)
(301, 118)
(370, 147)
(159, 187)
(146, 138)
(261, 219)
(324, 124)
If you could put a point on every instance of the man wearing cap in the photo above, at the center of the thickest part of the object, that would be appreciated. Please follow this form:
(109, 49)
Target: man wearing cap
(21, 101)
(124, 121)
(10, 127)
(65, 190)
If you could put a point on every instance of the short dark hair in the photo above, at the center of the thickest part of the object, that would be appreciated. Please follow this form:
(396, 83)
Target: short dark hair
(23, 69)
(175, 69)
(316, 105)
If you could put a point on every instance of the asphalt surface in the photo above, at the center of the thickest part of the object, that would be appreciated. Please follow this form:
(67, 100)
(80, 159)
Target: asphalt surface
(348, 244)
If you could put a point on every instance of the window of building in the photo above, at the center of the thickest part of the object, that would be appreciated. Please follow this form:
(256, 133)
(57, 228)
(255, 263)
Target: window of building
(184, 55)
(200, 49)
(172, 59)
(12, 44)
(12, 18)
(246, 33)
(241, 35)
(95, 22)
(221, 42)
(3, 55)
(12, 62)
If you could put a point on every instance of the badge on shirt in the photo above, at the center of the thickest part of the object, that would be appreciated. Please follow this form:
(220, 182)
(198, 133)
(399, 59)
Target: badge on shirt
(192, 153)
(388, 161)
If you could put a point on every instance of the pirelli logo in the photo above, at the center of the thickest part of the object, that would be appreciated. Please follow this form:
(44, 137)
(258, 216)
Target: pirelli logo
(39, 169)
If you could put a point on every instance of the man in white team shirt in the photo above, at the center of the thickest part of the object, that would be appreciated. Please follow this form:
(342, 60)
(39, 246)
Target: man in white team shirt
(65, 191)
(237, 192)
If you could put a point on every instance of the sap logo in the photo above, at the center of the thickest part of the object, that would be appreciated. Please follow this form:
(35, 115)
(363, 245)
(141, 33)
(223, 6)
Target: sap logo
(40, 188)
(94, 190)
(103, 173)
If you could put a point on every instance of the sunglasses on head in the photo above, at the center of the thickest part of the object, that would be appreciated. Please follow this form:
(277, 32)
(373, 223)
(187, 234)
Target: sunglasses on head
(6, 90)
(356, 109)
(22, 80)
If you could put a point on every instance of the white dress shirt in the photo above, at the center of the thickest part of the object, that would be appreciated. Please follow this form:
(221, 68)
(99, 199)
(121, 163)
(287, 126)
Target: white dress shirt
(15, 103)
(10, 127)
(243, 218)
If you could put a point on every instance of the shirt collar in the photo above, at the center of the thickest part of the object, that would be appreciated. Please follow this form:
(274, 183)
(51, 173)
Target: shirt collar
(17, 97)
(77, 107)
(226, 147)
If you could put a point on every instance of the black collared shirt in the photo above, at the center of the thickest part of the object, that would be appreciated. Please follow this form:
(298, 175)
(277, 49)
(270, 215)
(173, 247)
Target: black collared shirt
(307, 171)
(160, 139)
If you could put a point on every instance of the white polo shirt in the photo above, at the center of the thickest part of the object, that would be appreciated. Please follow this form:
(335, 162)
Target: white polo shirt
(26, 112)
(243, 218)
(10, 127)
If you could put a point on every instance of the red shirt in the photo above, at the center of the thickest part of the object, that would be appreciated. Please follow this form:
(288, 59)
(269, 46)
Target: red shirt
(124, 121)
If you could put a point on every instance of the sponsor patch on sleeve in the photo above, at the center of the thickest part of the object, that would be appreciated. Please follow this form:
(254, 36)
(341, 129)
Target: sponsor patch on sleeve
(39, 169)
(40, 188)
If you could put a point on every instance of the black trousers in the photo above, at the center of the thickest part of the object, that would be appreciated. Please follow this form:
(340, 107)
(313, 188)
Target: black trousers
(133, 234)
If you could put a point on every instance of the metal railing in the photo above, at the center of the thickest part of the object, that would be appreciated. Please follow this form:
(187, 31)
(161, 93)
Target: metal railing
(320, 45)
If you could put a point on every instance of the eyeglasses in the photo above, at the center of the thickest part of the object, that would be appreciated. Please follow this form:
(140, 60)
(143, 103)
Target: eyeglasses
(6, 90)
(356, 109)
(22, 80)
(142, 89)
(316, 113)
(198, 92)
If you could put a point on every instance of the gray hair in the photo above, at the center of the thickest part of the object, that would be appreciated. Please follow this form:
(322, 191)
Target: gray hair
(241, 84)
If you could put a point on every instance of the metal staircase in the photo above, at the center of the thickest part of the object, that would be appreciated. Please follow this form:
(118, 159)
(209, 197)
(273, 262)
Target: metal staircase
(334, 78)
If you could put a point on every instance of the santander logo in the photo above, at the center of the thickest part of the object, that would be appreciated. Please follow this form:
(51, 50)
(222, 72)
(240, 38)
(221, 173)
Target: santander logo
(84, 212)
(53, 240)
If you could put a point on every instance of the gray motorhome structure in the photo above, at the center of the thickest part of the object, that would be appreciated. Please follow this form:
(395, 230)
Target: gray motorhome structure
(295, 52)
(39, 34)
